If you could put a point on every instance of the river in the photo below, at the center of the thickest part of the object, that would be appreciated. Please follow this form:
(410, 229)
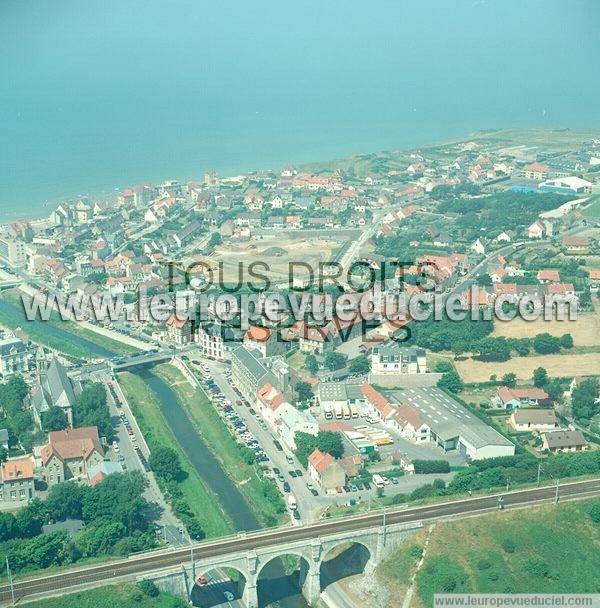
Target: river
(12, 316)
(210, 470)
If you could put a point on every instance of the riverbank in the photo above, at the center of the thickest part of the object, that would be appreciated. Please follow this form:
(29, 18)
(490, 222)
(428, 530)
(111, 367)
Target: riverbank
(156, 430)
(209, 425)
(65, 336)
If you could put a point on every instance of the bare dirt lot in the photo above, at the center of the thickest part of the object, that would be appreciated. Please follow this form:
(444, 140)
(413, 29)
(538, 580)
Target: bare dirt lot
(278, 251)
(586, 364)
(585, 329)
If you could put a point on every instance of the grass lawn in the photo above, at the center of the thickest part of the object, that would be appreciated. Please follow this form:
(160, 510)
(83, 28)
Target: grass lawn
(210, 426)
(144, 404)
(544, 549)
(123, 596)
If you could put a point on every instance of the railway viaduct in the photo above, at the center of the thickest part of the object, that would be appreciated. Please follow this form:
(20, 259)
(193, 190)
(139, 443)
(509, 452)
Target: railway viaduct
(376, 542)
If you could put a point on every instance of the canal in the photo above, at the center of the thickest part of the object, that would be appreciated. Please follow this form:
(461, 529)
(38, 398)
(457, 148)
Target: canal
(210, 470)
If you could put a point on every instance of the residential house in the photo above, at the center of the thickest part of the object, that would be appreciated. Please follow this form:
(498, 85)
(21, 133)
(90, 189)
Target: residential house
(17, 480)
(408, 422)
(508, 398)
(594, 280)
(378, 405)
(269, 399)
(262, 339)
(536, 230)
(529, 419)
(13, 356)
(288, 421)
(535, 171)
(390, 358)
(179, 331)
(548, 275)
(212, 338)
(479, 246)
(564, 441)
(70, 454)
(325, 471)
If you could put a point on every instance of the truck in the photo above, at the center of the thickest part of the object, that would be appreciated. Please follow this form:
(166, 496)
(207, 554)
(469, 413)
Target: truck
(338, 411)
(346, 412)
(378, 481)
(327, 409)
(292, 504)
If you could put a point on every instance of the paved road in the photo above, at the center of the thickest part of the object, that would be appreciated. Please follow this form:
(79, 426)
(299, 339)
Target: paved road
(153, 561)
(308, 505)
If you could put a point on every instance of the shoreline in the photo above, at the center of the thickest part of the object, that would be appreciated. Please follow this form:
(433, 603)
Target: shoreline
(110, 193)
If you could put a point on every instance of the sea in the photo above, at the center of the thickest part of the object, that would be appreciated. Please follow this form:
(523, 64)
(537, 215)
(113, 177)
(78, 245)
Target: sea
(102, 94)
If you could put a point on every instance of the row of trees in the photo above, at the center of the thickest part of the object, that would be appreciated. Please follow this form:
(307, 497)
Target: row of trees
(165, 463)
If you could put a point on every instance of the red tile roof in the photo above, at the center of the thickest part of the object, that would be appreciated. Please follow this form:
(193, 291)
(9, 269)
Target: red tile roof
(19, 468)
(72, 443)
(320, 461)
(377, 400)
(258, 334)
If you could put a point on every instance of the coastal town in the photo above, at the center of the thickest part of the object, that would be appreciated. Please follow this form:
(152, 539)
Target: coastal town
(300, 420)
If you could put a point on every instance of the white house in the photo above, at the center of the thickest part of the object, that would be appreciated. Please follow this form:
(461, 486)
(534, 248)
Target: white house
(536, 230)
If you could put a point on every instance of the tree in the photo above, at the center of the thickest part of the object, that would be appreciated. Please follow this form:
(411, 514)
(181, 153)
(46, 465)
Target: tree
(509, 379)
(304, 391)
(540, 377)
(164, 461)
(148, 587)
(583, 399)
(65, 500)
(311, 364)
(326, 441)
(451, 381)
(54, 419)
(90, 409)
(546, 344)
(330, 442)
(493, 349)
(8, 526)
(215, 239)
(594, 512)
(334, 360)
(360, 365)
(566, 341)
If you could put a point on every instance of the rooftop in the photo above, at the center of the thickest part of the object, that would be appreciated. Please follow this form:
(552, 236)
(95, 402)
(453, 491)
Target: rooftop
(449, 419)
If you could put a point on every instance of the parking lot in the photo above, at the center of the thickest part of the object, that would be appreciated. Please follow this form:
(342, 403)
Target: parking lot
(246, 424)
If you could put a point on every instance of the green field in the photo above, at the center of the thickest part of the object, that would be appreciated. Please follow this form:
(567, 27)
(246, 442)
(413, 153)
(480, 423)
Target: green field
(544, 549)
(210, 426)
(114, 596)
(592, 211)
(144, 404)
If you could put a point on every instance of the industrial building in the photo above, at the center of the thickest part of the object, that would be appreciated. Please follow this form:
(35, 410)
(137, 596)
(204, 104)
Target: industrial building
(454, 427)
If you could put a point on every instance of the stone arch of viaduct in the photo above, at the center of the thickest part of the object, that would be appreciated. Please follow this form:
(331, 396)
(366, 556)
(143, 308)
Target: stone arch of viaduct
(379, 542)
